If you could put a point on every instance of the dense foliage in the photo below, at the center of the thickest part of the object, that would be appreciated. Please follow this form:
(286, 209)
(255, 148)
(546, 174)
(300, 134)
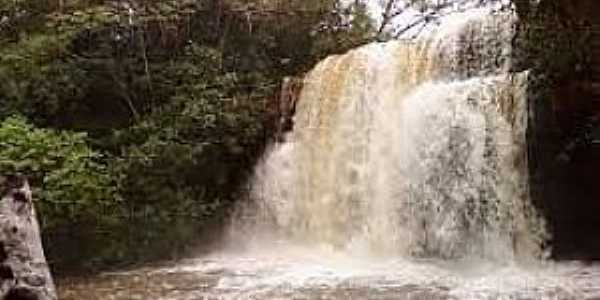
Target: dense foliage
(149, 114)
(65, 172)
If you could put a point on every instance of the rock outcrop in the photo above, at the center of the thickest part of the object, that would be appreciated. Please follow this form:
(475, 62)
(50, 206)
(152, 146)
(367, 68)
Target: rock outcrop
(290, 93)
(24, 273)
(561, 39)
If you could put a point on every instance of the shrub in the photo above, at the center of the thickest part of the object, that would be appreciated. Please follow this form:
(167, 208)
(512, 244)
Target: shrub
(66, 175)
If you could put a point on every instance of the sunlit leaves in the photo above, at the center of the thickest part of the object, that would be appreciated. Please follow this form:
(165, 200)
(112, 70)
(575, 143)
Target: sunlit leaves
(68, 179)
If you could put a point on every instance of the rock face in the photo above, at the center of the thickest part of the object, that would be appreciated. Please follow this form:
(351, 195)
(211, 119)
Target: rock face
(24, 273)
(562, 39)
(286, 105)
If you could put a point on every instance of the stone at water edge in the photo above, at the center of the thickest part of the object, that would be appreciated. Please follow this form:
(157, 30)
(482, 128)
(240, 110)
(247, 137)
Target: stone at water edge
(24, 273)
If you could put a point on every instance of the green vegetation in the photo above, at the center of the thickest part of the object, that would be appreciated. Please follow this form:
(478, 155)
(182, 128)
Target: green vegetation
(65, 172)
(139, 123)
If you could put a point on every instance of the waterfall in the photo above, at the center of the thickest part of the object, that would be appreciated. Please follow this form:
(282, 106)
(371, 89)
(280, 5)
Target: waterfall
(409, 148)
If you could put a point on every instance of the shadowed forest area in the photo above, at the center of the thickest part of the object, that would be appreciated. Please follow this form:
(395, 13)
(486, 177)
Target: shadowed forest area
(138, 123)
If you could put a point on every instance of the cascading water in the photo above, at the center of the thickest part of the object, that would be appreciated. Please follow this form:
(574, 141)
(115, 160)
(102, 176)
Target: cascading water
(409, 149)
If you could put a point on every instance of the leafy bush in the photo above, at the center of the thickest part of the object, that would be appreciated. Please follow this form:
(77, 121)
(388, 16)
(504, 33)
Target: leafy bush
(68, 180)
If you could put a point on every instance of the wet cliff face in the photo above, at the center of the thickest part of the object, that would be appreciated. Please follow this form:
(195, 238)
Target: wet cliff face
(562, 50)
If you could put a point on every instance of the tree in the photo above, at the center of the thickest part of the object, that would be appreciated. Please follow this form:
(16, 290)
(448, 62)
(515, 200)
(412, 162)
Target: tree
(421, 12)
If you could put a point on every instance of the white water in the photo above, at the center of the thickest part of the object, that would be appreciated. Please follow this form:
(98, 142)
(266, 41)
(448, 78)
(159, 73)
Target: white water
(407, 165)
(408, 150)
(291, 272)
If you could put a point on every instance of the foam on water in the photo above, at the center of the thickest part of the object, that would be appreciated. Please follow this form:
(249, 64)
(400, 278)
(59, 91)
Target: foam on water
(288, 271)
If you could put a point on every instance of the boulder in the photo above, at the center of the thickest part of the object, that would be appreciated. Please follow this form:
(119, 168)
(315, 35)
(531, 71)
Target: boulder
(24, 273)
